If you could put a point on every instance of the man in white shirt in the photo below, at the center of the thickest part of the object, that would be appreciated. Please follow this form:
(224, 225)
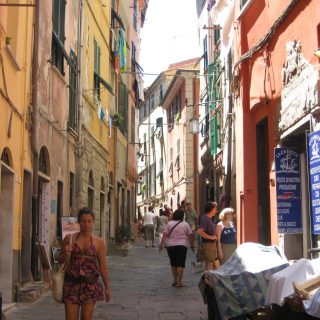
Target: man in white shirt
(149, 221)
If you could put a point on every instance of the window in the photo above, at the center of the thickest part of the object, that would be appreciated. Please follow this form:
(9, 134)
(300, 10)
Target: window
(242, 3)
(96, 75)
(205, 52)
(152, 102)
(73, 91)
(13, 26)
(6, 157)
(123, 108)
(58, 52)
(133, 57)
(72, 191)
(59, 210)
(177, 162)
(133, 121)
(161, 92)
(152, 136)
(135, 15)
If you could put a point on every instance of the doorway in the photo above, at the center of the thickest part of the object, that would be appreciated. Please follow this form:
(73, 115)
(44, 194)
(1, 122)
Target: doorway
(6, 214)
(264, 227)
(26, 228)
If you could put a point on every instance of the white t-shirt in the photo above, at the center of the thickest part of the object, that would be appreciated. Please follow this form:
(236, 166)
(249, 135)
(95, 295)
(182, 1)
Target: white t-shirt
(148, 218)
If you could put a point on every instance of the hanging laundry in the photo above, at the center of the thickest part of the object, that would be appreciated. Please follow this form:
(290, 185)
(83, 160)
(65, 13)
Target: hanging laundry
(110, 125)
(113, 41)
(107, 116)
(122, 50)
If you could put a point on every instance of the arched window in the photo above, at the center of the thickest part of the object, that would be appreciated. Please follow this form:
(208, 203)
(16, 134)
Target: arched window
(6, 157)
(44, 166)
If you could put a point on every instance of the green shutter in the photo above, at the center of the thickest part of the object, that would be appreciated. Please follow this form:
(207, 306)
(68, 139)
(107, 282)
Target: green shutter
(123, 107)
(215, 115)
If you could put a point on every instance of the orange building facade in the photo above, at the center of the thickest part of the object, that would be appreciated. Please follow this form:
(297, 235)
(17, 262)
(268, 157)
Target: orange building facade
(276, 98)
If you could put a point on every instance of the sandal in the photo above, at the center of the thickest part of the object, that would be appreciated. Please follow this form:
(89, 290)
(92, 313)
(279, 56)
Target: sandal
(179, 285)
(173, 284)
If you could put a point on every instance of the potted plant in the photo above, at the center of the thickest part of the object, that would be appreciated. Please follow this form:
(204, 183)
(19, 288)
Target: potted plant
(123, 237)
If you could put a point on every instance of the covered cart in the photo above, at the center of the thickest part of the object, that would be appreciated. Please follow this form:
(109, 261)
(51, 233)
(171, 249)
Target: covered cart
(240, 285)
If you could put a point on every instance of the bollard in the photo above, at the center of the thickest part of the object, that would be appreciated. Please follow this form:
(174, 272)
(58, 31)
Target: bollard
(0, 306)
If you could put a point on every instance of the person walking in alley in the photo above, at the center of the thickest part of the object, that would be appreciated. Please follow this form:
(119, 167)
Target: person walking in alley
(177, 234)
(82, 284)
(207, 249)
(162, 221)
(167, 211)
(148, 223)
(191, 217)
(226, 233)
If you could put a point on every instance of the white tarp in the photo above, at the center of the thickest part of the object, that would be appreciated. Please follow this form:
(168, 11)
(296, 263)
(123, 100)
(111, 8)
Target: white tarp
(280, 285)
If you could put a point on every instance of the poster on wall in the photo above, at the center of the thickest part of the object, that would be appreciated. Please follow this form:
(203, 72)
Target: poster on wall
(288, 187)
(69, 225)
(314, 178)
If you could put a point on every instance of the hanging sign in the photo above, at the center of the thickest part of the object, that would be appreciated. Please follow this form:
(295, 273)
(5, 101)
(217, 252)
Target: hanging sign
(288, 187)
(314, 177)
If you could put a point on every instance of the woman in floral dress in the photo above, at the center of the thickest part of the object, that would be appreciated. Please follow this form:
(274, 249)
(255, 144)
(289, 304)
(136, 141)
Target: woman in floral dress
(86, 268)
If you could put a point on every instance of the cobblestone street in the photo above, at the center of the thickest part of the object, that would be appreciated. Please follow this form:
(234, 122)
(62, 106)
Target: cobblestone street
(140, 290)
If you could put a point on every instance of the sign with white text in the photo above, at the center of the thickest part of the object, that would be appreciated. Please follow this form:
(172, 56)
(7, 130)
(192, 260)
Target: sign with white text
(288, 187)
(314, 177)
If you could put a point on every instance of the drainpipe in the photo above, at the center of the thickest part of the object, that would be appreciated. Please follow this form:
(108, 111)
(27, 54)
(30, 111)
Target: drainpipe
(229, 117)
(34, 141)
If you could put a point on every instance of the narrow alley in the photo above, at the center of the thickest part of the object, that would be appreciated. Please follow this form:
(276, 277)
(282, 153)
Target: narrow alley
(140, 290)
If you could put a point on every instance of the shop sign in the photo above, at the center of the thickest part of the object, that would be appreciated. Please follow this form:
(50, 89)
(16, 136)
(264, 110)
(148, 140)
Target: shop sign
(314, 177)
(288, 185)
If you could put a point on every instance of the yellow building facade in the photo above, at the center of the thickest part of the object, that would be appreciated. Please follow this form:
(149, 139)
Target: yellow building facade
(94, 167)
(15, 165)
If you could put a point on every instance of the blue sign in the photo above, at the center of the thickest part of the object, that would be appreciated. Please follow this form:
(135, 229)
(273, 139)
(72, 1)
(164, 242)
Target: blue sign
(288, 187)
(314, 172)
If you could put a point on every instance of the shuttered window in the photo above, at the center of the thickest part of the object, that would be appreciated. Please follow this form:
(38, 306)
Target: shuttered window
(96, 73)
(58, 52)
(123, 108)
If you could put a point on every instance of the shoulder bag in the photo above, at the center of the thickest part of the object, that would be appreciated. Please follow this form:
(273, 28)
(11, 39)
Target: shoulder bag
(58, 279)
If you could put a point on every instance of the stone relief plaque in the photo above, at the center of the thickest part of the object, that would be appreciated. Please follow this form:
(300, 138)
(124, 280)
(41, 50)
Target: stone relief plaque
(300, 92)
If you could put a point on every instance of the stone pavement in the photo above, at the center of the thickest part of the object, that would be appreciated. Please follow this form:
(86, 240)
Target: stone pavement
(140, 290)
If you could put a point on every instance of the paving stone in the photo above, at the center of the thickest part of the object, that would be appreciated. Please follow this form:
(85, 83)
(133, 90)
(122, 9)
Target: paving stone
(140, 290)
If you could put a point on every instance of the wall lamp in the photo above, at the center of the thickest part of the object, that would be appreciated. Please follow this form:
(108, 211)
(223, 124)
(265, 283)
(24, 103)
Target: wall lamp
(317, 52)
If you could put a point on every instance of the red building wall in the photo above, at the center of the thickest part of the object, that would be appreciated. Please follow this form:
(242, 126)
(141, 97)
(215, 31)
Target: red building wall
(260, 95)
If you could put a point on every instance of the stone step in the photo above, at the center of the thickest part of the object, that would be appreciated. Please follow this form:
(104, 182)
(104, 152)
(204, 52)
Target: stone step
(6, 308)
(31, 292)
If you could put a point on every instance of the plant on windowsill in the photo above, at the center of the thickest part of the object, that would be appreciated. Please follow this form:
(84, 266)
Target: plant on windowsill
(117, 119)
